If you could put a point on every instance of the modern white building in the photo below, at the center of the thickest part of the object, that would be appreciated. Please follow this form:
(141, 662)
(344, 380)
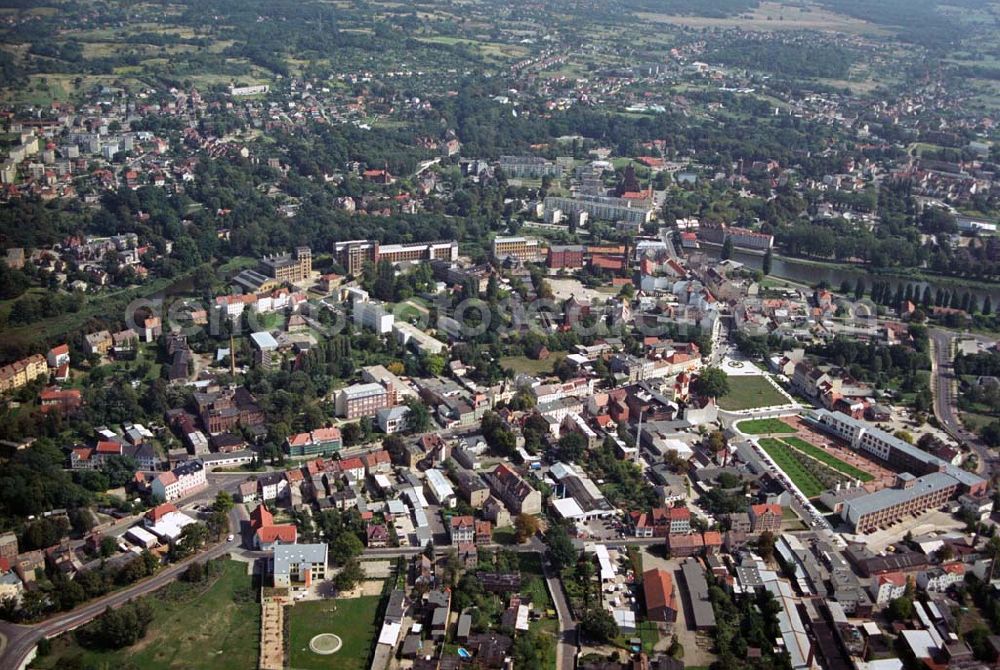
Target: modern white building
(373, 316)
(440, 488)
(298, 566)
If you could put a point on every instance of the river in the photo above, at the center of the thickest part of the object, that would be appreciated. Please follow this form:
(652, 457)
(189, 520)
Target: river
(808, 273)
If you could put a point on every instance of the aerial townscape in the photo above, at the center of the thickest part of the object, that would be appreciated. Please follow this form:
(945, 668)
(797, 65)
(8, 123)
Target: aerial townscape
(483, 335)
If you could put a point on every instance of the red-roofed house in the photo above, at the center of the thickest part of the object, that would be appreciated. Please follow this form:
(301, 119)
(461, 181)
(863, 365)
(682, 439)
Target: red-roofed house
(462, 529)
(377, 534)
(887, 587)
(157, 513)
(661, 601)
(765, 517)
(58, 356)
(679, 519)
(58, 400)
(266, 534)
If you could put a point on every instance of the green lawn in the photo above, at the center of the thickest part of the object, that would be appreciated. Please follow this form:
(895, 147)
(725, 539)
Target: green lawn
(527, 366)
(802, 478)
(826, 457)
(764, 426)
(352, 619)
(215, 625)
(750, 392)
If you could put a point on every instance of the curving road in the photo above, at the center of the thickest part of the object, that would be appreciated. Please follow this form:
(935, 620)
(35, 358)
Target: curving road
(21, 639)
(944, 390)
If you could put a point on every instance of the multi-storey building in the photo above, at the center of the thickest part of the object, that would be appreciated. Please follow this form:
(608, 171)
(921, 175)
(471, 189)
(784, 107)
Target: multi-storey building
(765, 517)
(911, 496)
(223, 410)
(321, 441)
(265, 350)
(22, 372)
(680, 519)
(298, 566)
(893, 451)
(635, 211)
(289, 268)
(373, 316)
(522, 248)
(514, 491)
(530, 167)
(353, 254)
(741, 237)
(360, 400)
(185, 479)
(565, 256)
(462, 529)
(98, 343)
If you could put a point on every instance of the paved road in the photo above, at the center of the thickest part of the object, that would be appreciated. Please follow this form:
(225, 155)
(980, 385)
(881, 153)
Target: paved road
(566, 648)
(944, 390)
(22, 639)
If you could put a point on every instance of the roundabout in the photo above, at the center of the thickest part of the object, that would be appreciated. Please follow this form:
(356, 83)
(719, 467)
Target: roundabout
(325, 644)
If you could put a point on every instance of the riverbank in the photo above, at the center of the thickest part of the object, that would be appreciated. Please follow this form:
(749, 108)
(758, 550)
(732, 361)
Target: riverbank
(813, 271)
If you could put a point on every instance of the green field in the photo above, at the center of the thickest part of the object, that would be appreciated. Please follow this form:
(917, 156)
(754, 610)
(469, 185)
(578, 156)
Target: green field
(528, 366)
(215, 625)
(802, 478)
(750, 392)
(827, 458)
(352, 619)
(764, 426)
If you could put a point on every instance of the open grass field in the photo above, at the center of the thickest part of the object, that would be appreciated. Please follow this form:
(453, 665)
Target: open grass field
(527, 366)
(750, 392)
(802, 478)
(775, 16)
(824, 456)
(352, 619)
(764, 426)
(208, 626)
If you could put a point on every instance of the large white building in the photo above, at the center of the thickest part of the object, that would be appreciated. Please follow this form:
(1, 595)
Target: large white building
(373, 316)
(183, 480)
(298, 566)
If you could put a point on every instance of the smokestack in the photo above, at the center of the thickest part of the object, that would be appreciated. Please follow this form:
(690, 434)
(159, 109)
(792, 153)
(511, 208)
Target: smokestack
(232, 355)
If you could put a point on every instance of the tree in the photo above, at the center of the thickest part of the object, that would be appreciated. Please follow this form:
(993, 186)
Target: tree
(344, 547)
(191, 539)
(418, 417)
(712, 383)
(859, 289)
(765, 545)
(572, 446)
(727, 249)
(598, 625)
(526, 525)
(350, 574)
(123, 627)
(766, 267)
(561, 550)
(108, 546)
(676, 649)
(900, 609)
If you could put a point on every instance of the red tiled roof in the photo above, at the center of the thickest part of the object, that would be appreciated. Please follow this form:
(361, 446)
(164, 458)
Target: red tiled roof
(658, 587)
(160, 511)
(284, 533)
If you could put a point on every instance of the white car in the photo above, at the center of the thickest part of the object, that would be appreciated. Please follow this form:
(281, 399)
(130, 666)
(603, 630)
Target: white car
(230, 538)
